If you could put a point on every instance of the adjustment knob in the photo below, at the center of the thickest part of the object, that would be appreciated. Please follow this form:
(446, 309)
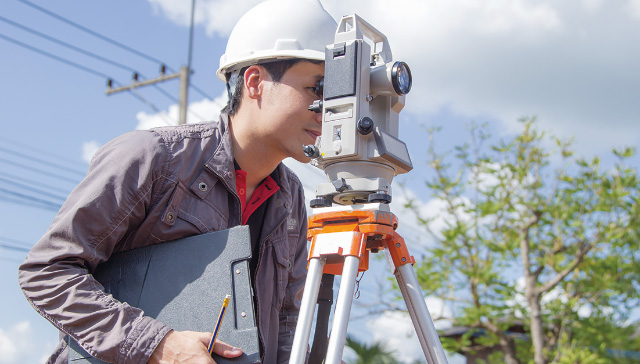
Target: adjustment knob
(380, 197)
(311, 151)
(316, 106)
(365, 125)
(320, 202)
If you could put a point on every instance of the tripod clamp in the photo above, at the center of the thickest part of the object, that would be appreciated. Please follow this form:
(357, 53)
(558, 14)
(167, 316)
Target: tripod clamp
(337, 234)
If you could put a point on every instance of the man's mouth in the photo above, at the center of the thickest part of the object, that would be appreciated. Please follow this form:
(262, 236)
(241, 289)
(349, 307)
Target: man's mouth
(313, 133)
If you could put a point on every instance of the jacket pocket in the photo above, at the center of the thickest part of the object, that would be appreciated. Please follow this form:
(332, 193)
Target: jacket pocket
(186, 215)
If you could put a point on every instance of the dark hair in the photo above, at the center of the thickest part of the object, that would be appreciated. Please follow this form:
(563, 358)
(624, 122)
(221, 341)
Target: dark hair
(276, 70)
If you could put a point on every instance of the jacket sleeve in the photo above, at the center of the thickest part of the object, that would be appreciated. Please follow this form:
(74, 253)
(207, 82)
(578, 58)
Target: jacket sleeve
(295, 286)
(95, 221)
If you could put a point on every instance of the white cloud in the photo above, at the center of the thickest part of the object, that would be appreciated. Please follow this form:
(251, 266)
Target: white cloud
(89, 149)
(593, 5)
(437, 211)
(397, 332)
(409, 228)
(218, 16)
(17, 345)
(200, 111)
(634, 7)
(500, 59)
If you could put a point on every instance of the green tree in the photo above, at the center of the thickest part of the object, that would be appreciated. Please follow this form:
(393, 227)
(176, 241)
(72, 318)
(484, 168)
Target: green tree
(375, 353)
(553, 250)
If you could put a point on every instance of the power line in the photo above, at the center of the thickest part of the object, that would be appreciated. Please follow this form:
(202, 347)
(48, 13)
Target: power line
(79, 66)
(200, 91)
(95, 34)
(85, 52)
(107, 39)
(33, 183)
(14, 241)
(41, 161)
(91, 54)
(73, 64)
(190, 53)
(68, 45)
(53, 175)
(60, 59)
(33, 189)
(17, 248)
(24, 203)
(46, 204)
(165, 117)
(35, 149)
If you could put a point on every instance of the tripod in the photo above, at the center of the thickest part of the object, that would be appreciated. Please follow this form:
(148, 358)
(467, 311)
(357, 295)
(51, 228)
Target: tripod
(341, 239)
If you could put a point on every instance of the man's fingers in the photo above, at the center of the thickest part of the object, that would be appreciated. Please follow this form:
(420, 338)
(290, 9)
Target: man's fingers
(225, 350)
(205, 337)
(221, 348)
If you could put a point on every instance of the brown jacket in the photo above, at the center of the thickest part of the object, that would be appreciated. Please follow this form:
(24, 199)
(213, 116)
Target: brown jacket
(148, 187)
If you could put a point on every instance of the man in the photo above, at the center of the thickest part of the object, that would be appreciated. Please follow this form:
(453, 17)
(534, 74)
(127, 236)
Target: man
(149, 187)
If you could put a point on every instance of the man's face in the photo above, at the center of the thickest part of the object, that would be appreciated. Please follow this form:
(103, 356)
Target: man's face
(286, 122)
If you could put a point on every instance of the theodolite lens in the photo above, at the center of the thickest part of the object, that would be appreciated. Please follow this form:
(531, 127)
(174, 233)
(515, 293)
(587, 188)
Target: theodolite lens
(401, 78)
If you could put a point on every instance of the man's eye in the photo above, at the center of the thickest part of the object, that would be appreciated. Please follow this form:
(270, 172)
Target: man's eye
(313, 89)
(316, 90)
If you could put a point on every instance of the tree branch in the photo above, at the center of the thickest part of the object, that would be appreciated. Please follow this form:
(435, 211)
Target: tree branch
(524, 245)
(564, 273)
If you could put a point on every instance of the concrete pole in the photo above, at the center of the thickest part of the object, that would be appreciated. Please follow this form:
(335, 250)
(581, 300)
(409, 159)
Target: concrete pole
(184, 94)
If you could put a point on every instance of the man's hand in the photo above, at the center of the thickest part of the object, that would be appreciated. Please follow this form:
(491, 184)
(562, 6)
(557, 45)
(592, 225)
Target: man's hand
(190, 347)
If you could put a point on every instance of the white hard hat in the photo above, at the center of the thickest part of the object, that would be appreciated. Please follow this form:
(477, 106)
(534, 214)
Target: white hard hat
(278, 29)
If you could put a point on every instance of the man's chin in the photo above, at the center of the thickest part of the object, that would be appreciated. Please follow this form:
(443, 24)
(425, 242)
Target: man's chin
(302, 158)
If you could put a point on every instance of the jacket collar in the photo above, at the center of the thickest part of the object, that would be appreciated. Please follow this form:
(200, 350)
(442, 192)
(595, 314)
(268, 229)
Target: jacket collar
(221, 162)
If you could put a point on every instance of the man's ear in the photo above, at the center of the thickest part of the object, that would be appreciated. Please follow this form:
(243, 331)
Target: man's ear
(254, 78)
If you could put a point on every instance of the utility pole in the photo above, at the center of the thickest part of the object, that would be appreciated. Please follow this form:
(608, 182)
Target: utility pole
(183, 99)
(184, 73)
(184, 88)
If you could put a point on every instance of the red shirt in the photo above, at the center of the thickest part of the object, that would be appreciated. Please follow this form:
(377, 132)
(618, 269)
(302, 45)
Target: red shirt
(267, 188)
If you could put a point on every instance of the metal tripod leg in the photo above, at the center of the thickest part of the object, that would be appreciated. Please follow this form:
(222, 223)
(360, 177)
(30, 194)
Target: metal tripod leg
(307, 309)
(414, 299)
(351, 234)
(342, 311)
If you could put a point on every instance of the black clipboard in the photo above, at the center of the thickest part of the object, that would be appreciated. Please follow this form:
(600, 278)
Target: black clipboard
(183, 283)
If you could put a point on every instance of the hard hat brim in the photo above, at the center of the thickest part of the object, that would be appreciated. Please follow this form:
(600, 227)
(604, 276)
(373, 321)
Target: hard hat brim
(256, 58)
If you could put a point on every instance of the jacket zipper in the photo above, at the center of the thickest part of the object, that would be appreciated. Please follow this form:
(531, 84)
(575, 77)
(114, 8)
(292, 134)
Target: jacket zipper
(229, 188)
(235, 194)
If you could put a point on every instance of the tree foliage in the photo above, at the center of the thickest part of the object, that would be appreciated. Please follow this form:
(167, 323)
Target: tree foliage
(375, 353)
(526, 244)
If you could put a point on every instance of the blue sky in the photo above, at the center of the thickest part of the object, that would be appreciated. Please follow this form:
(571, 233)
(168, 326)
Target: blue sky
(574, 64)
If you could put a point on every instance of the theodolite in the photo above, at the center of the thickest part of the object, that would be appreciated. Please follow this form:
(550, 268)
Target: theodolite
(363, 93)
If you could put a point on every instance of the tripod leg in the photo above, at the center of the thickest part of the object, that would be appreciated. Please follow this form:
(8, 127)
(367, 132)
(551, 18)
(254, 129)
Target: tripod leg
(426, 331)
(307, 309)
(343, 310)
